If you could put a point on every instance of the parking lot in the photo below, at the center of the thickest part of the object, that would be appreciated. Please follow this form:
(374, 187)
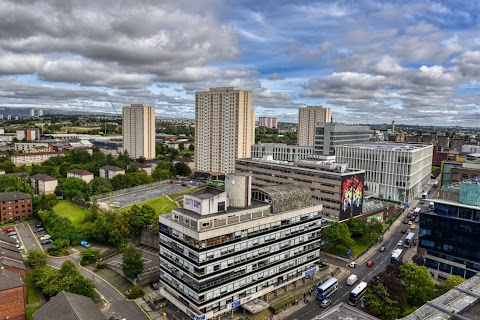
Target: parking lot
(149, 257)
(30, 239)
(127, 199)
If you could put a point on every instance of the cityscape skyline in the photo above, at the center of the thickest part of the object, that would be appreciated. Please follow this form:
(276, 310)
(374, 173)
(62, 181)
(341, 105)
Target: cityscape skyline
(409, 61)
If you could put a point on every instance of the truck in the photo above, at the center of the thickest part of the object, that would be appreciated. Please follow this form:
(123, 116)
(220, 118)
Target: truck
(352, 279)
(396, 255)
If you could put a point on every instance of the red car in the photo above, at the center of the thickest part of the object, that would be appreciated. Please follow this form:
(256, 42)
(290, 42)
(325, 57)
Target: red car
(8, 230)
(370, 263)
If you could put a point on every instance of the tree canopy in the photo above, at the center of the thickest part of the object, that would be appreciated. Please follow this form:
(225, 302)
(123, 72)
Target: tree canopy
(338, 234)
(132, 264)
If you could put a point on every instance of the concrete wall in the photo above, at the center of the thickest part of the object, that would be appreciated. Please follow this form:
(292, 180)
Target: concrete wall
(149, 239)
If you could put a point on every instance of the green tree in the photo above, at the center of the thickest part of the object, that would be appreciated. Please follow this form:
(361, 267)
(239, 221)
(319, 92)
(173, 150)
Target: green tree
(417, 283)
(183, 169)
(338, 234)
(373, 229)
(161, 174)
(452, 282)
(14, 183)
(44, 203)
(89, 255)
(191, 147)
(76, 188)
(142, 216)
(357, 227)
(37, 258)
(132, 264)
(379, 302)
(100, 185)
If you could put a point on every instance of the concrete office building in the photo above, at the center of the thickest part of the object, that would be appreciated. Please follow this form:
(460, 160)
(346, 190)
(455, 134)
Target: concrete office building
(267, 122)
(281, 151)
(448, 234)
(224, 129)
(308, 118)
(138, 126)
(393, 171)
(337, 188)
(329, 135)
(226, 249)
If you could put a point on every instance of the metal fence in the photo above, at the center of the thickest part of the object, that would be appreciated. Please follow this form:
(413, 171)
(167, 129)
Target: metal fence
(128, 190)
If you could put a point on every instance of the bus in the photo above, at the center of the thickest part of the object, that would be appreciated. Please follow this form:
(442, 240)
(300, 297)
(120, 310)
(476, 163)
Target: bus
(327, 288)
(396, 254)
(424, 195)
(408, 240)
(357, 293)
(417, 211)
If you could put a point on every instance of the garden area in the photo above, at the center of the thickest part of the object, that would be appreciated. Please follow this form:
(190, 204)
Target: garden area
(74, 213)
(160, 205)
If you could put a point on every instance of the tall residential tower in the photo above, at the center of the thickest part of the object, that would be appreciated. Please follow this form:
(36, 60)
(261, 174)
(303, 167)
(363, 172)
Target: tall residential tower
(308, 118)
(139, 131)
(224, 129)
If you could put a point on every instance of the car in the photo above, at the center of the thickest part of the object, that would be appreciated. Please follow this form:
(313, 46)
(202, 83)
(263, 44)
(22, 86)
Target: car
(410, 222)
(184, 184)
(404, 230)
(370, 263)
(325, 303)
(412, 226)
(409, 215)
(352, 264)
(19, 247)
(45, 237)
(14, 237)
(9, 230)
(382, 249)
(39, 229)
(47, 241)
(154, 285)
(406, 221)
(400, 242)
(84, 244)
(38, 225)
(422, 202)
(417, 220)
(10, 234)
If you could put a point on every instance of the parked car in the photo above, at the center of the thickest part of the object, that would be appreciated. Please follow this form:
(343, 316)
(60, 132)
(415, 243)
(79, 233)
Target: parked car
(370, 263)
(14, 237)
(352, 264)
(38, 225)
(45, 237)
(19, 247)
(382, 249)
(11, 234)
(9, 230)
(154, 285)
(84, 244)
(47, 241)
(325, 303)
(39, 229)
(406, 221)
(404, 230)
(410, 222)
(400, 243)
(417, 220)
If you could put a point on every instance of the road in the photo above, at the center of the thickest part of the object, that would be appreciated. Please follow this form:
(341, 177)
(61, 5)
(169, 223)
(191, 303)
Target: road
(118, 306)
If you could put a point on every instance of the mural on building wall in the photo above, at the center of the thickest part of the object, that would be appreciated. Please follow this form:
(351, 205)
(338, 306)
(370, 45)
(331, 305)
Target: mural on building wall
(352, 196)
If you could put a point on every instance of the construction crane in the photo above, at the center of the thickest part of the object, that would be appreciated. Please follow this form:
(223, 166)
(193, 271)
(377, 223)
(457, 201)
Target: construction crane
(113, 107)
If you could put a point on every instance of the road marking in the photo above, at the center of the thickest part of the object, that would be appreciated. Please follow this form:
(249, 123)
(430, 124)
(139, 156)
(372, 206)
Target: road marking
(369, 273)
(39, 244)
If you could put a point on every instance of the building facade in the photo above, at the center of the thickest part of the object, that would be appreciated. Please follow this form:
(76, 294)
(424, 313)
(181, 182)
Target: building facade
(224, 129)
(28, 134)
(85, 175)
(15, 206)
(449, 233)
(393, 171)
(224, 249)
(109, 172)
(339, 189)
(328, 135)
(267, 122)
(138, 127)
(21, 159)
(26, 146)
(43, 184)
(282, 151)
(308, 118)
(13, 294)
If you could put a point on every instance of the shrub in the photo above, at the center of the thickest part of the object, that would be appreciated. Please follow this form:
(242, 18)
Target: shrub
(136, 292)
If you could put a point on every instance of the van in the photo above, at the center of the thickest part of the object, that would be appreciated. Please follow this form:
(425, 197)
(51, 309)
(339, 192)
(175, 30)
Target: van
(352, 279)
(430, 204)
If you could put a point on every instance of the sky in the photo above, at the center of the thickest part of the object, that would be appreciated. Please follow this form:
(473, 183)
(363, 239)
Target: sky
(412, 62)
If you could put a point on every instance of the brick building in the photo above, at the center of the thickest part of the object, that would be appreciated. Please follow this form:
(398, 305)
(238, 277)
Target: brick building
(13, 295)
(15, 206)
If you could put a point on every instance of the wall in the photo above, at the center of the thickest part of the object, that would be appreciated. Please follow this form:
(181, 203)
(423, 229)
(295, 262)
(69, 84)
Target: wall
(12, 303)
(150, 239)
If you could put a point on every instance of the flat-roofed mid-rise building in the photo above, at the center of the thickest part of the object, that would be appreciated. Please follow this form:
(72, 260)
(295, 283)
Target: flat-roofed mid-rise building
(267, 122)
(308, 118)
(281, 151)
(393, 171)
(138, 127)
(328, 135)
(224, 129)
(43, 184)
(338, 188)
(229, 249)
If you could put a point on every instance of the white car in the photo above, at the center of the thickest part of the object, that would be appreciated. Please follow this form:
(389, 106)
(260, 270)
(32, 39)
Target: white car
(45, 237)
(19, 247)
(400, 243)
(352, 264)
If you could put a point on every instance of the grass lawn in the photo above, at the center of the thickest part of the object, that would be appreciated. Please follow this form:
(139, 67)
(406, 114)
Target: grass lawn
(160, 205)
(30, 311)
(32, 291)
(65, 208)
(357, 249)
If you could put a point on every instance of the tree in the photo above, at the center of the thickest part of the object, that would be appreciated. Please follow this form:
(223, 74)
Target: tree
(161, 174)
(76, 188)
(417, 283)
(357, 227)
(379, 302)
(183, 169)
(37, 258)
(14, 183)
(89, 255)
(142, 216)
(452, 282)
(132, 264)
(338, 233)
(100, 185)
(373, 229)
(191, 147)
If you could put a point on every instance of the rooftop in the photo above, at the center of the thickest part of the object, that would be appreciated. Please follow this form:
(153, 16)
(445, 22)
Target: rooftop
(255, 205)
(43, 177)
(10, 280)
(80, 172)
(344, 311)
(112, 168)
(12, 196)
(389, 146)
(69, 306)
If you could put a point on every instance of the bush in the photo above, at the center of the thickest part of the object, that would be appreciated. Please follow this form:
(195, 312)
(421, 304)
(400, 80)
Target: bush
(57, 251)
(136, 292)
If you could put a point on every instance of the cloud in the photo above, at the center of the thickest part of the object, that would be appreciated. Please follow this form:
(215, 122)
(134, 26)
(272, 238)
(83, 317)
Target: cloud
(275, 76)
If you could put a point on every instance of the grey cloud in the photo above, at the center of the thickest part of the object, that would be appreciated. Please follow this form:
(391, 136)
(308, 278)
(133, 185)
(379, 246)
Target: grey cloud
(275, 76)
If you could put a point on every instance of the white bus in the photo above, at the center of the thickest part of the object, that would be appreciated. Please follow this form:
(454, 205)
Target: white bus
(396, 254)
(417, 211)
(357, 293)
(408, 240)
(327, 288)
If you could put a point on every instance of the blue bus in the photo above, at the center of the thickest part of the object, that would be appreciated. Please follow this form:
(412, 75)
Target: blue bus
(357, 293)
(327, 288)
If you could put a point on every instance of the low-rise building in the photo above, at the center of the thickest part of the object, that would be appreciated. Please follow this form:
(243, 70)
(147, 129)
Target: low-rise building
(338, 188)
(143, 166)
(281, 151)
(43, 184)
(69, 306)
(26, 146)
(13, 295)
(110, 171)
(15, 206)
(86, 176)
(20, 159)
(226, 249)
(189, 162)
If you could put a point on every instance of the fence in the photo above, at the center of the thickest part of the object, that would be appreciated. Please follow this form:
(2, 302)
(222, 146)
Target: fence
(128, 190)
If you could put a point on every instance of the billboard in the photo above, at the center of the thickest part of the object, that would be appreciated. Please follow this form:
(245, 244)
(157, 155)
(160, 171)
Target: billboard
(351, 191)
